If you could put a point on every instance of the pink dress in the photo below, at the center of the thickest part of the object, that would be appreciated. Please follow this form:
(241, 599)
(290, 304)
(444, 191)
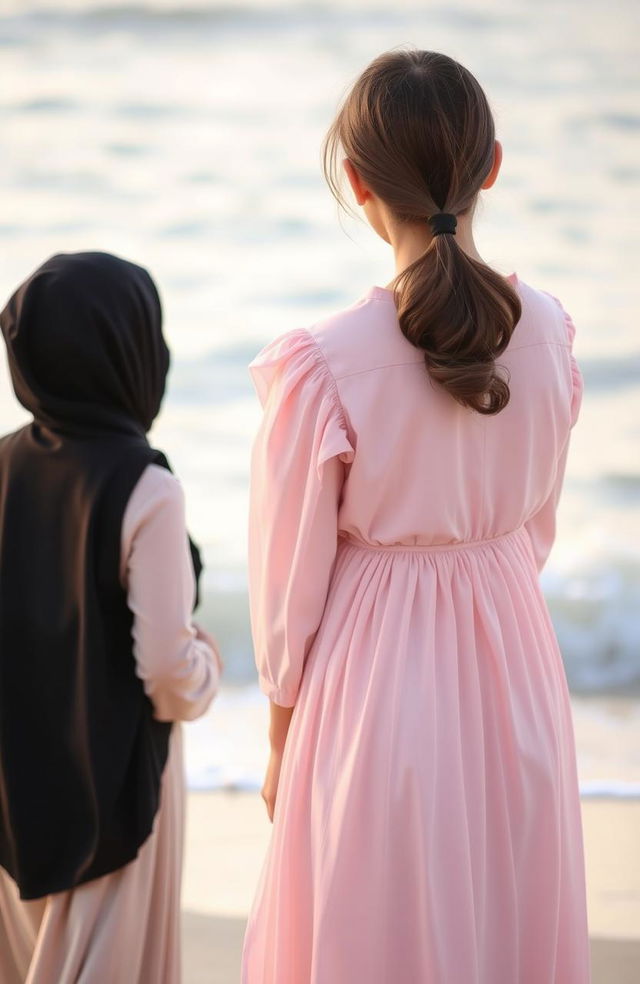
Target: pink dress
(427, 827)
(124, 928)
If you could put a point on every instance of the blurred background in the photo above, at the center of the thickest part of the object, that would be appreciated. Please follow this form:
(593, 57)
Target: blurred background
(186, 136)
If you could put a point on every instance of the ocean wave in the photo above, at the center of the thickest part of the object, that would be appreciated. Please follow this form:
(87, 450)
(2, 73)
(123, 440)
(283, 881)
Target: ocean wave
(133, 15)
(622, 487)
(222, 779)
(603, 789)
(200, 20)
(196, 18)
(594, 604)
(219, 377)
(619, 372)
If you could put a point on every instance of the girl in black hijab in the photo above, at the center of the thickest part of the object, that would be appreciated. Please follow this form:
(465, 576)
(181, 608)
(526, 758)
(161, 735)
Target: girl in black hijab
(98, 655)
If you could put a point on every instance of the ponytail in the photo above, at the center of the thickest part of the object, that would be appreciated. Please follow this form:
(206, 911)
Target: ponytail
(462, 314)
(418, 129)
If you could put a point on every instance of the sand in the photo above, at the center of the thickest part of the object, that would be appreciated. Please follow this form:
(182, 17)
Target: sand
(227, 835)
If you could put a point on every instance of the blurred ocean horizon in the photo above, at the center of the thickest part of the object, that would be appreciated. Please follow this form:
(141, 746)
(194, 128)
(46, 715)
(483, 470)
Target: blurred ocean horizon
(186, 136)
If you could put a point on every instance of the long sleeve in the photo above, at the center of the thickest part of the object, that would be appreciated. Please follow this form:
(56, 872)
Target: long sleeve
(297, 472)
(542, 526)
(178, 670)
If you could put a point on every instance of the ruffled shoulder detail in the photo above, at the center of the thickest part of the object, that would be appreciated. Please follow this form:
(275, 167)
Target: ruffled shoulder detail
(577, 382)
(291, 377)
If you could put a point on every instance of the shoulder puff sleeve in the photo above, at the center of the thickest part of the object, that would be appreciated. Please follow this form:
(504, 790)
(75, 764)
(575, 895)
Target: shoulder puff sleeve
(542, 525)
(297, 471)
(577, 385)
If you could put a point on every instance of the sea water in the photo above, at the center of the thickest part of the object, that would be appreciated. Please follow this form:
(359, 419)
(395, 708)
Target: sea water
(186, 136)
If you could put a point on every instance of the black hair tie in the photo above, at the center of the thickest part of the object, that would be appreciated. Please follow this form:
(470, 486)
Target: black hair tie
(443, 223)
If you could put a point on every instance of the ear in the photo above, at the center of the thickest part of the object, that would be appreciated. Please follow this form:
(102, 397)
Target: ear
(491, 178)
(360, 190)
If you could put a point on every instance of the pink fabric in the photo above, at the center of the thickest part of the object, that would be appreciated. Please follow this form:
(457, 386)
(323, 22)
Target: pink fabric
(179, 671)
(124, 928)
(427, 825)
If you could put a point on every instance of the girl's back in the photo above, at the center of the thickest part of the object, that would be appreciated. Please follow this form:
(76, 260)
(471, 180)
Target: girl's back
(427, 470)
(404, 484)
(403, 617)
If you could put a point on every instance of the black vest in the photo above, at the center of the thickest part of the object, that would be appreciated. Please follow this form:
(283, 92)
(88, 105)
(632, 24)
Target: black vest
(81, 756)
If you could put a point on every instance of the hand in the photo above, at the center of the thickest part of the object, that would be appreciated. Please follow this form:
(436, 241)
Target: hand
(205, 636)
(272, 778)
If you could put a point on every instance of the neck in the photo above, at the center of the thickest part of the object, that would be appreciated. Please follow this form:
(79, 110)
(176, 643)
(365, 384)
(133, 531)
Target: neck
(409, 242)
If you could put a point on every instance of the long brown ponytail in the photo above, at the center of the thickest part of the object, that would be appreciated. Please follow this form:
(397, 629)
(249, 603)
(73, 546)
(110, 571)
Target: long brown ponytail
(418, 130)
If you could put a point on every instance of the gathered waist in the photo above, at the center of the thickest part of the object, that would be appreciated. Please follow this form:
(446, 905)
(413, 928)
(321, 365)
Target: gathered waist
(430, 548)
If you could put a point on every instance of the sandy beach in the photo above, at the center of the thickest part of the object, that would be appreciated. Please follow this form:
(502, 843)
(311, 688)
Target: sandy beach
(227, 835)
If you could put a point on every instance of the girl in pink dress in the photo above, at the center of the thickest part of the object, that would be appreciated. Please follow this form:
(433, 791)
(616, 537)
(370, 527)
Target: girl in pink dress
(422, 779)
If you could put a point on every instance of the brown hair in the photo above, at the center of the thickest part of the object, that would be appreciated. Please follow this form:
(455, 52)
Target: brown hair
(418, 129)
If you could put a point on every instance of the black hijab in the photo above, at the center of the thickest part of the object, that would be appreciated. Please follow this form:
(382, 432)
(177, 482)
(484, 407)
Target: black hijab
(81, 755)
(85, 345)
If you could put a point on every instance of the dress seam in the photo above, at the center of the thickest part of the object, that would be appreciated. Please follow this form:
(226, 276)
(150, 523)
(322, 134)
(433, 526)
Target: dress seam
(451, 546)
(548, 341)
(417, 362)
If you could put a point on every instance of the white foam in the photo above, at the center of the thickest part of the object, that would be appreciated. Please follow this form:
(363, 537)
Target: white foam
(604, 789)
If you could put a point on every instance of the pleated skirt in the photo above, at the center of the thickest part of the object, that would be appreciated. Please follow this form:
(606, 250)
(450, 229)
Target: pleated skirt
(427, 827)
